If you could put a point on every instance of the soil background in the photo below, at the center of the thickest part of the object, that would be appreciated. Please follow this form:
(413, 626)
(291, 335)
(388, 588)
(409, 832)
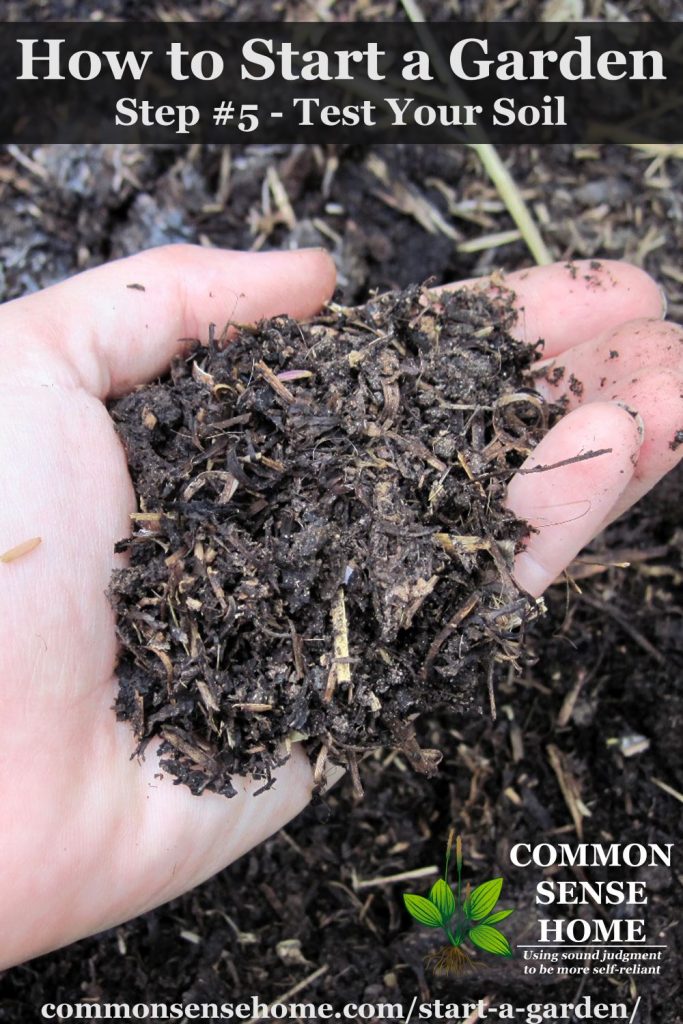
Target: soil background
(306, 900)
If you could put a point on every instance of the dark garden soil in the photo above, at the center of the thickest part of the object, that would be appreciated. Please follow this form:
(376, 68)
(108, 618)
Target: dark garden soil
(310, 907)
(322, 551)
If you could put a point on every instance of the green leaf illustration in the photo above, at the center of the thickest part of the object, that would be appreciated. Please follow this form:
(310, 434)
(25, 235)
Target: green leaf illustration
(483, 899)
(423, 910)
(500, 915)
(442, 897)
(490, 940)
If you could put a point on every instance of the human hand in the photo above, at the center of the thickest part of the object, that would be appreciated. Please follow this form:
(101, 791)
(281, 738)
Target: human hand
(89, 837)
(605, 342)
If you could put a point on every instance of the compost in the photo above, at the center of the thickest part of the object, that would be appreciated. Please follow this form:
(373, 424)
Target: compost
(321, 550)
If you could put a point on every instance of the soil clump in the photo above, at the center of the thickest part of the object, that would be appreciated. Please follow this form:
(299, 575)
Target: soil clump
(321, 550)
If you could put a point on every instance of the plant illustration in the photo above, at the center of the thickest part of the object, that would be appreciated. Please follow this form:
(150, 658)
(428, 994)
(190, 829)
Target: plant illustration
(471, 919)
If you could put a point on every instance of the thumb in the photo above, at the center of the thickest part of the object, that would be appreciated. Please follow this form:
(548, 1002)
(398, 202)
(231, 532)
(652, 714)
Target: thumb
(118, 325)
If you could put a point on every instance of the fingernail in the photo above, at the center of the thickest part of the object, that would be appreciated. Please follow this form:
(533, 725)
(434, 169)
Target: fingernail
(639, 421)
(333, 773)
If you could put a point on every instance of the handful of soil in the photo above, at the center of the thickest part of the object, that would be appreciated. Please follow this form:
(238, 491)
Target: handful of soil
(322, 551)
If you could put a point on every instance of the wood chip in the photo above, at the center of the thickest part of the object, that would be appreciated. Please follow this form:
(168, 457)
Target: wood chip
(275, 383)
(341, 638)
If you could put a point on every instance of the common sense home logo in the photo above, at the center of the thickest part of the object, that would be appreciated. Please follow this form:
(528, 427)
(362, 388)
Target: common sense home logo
(469, 918)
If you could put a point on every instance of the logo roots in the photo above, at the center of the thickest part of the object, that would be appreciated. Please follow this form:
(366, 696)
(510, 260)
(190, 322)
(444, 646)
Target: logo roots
(469, 919)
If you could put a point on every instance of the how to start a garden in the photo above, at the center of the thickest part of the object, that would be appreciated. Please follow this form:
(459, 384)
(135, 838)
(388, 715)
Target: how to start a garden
(471, 59)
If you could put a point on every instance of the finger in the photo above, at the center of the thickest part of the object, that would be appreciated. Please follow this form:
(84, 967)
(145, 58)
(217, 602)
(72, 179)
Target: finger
(657, 395)
(591, 371)
(567, 505)
(566, 304)
(119, 325)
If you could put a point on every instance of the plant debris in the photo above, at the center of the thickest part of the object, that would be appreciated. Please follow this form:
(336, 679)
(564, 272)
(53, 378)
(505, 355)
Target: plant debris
(19, 550)
(322, 551)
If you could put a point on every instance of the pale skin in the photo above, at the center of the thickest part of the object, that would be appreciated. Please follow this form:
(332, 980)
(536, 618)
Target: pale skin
(88, 836)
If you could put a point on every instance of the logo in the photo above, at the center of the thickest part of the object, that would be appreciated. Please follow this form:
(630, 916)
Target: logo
(471, 919)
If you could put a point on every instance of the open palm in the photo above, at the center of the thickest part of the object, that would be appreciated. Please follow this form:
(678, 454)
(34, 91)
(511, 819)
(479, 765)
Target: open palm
(89, 836)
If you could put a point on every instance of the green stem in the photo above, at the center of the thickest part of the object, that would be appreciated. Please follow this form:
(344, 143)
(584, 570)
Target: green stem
(459, 867)
(448, 857)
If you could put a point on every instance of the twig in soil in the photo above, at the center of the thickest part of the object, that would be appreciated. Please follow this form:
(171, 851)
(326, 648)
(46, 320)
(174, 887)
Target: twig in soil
(668, 789)
(355, 776)
(569, 787)
(276, 384)
(665, 149)
(516, 735)
(20, 549)
(279, 194)
(31, 165)
(423, 760)
(635, 634)
(504, 183)
(297, 653)
(439, 640)
(492, 695)
(304, 983)
(567, 709)
(341, 669)
(618, 558)
(408, 202)
(402, 876)
(320, 762)
(492, 241)
(552, 465)
(249, 706)
(333, 773)
(476, 1013)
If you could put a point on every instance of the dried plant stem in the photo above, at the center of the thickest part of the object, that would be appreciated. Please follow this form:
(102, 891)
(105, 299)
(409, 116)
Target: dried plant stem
(503, 181)
(275, 383)
(299, 987)
(666, 788)
(341, 638)
(403, 876)
(509, 192)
